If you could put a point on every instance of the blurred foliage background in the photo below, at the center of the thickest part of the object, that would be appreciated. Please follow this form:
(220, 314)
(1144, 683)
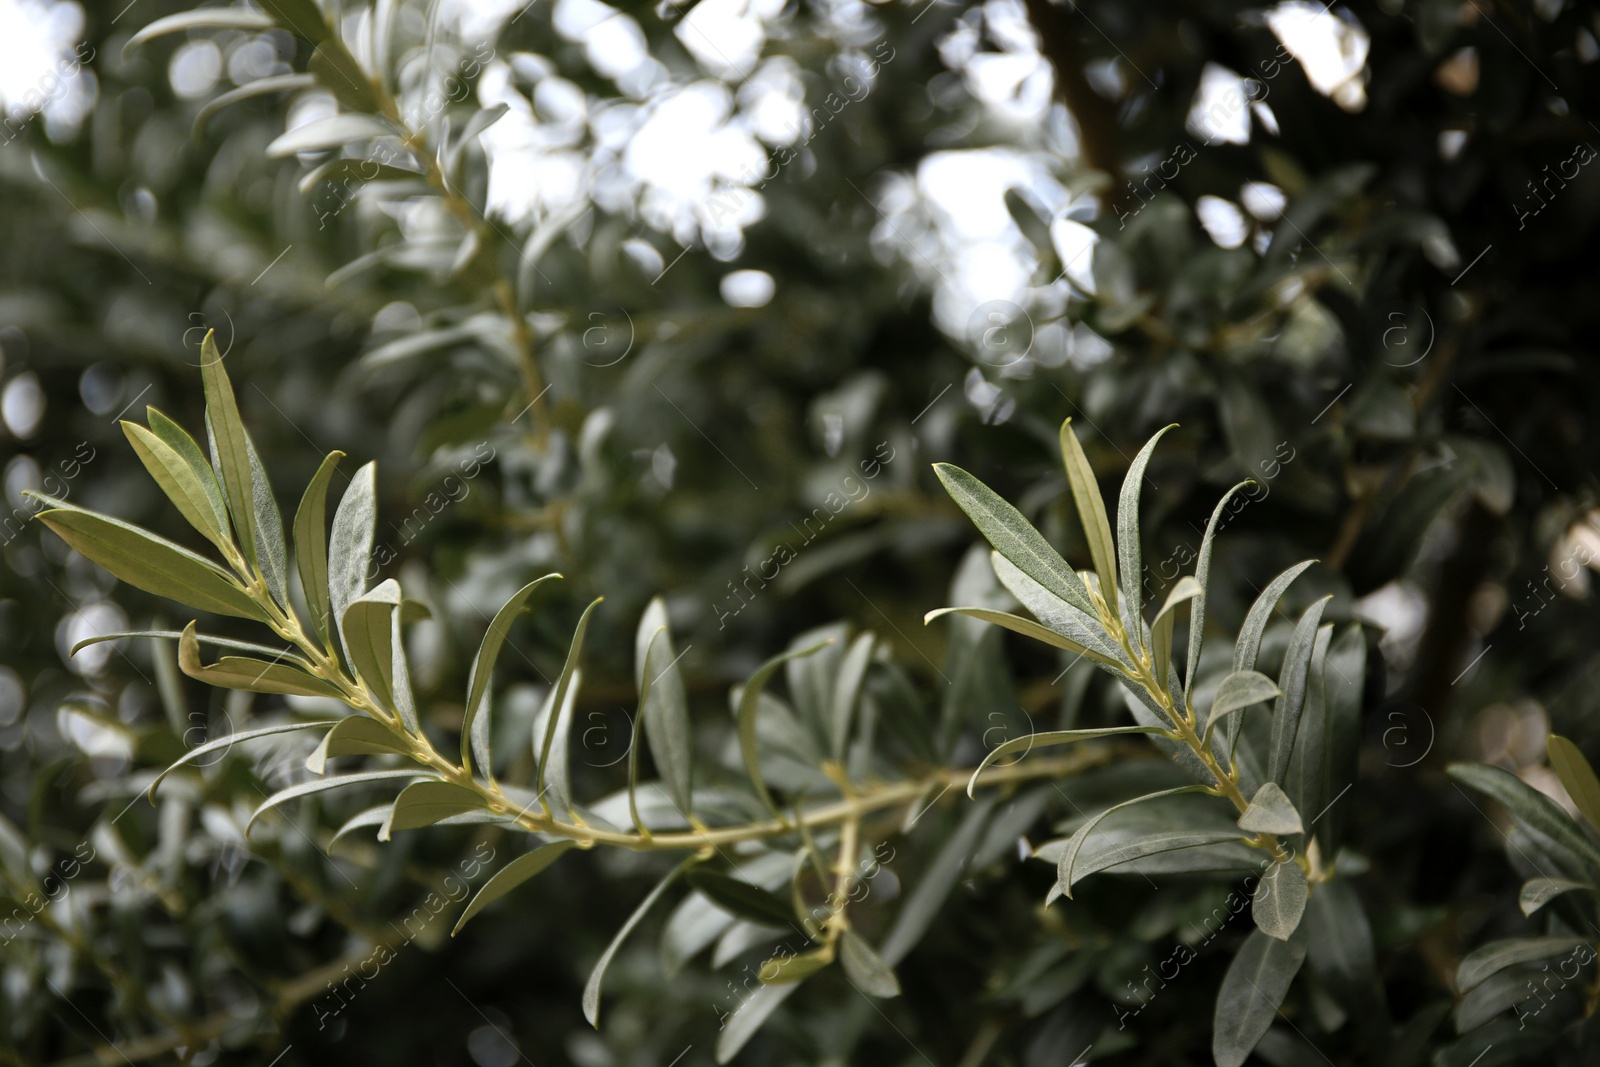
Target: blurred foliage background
(687, 273)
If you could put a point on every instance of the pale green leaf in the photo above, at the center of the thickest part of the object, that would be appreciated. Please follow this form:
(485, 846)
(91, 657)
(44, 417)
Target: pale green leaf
(251, 675)
(865, 968)
(558, 697)
(350, 543)
(1092, 513)
(1057, 614)
(272, 555)
(367, 625)
(223, 744)
(1130, 561)
(206, 18)
(1238, 691)
(1014, 537)
(1498, 955)
(230, 447)
(591, 990)
(1293, 679)
(1065, 873)
(1202, 574)
(278, 654)
(184, 486)
(741, 1025)
(1248, 645)
(323, 785)
(510, 877)
(275, 83)
(749, 703)
(846, 692)
(1568, 761)
(666, 713)
(337, 71)
(311, 547)
(1029, 742)
(1537, 892)
(475, 724)
(1531, 808)
(1271, 812)
(795, 967)
(425, 803)
(1280, 900)
(1247, 1003)
(557, 723)
(146, 561)
(356, 736)
(1027, 628)
(1161, 630)
(321, 135)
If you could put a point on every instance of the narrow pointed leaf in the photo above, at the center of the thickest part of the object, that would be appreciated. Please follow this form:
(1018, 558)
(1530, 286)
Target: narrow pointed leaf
(1270, 812)
(321, 135)
(368, 631)
(1092, 513)
(511, 876)
(749, 703)
(743, 899)
(311, 547)
(1280, 900)
(230, 449)
(1294, 679)
(1057, 614)
(356, 736)
(1247, 1003)
(846, 692)
(558, 696)
(1130, 561)
(1496, 956)
(425, 803)
(1027, 628)
(865, 968)
(275, 83)
(1024, 745)
(251, 675)
(475, 724)
(633, 742)
(323, 785)
(795, 967)
(223, 744)
(1568, 761)
(300, 17)
(558, 787)
(1014, 537)
(181, 482)
(281, 655)
(666, 715)
(927, 897)
(350, 544)
(272, 555)
(374, 817)
(337, 71)
(591, 990)
(146, 561)
(753, 1011)
(206, 18)
(1248, 647)
(1528, 806)
(1537, 892)
(1069, 857)
(1202, 574)
(1161, 630)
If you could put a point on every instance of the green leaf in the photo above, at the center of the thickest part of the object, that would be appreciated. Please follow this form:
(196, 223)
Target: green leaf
(311, 547)
(350, 544)
(1568, 761)
(511, 876)
(206, 18)
(272, 555)
(1308, 779)
(275, 83)
(1280, 900)
(1057, 614)
(425, 803)
(223, 744)
(591, 991)
(923, 903)
(356, 736)
(1528, 806)
(1027, 628)
(557, 780)
(633, 742)
(1293, 679)
(1498, 955)
(1182, 851)
(1537, 892)
(251, 675)
(1248, 646)
(743, 899)
(1129, 560)
(323, 785)
(865, 968)
(346, 170)
(1238, 691)
(230, 446)
(374, 817)
(368, 628)
(751, 1013)
(1339, 940)
(558, 697)
(1271, 812)
(666, 711)
(795, 967)
(1029, 742)
(183, 484)
(279, 654)
(1069, 857)
(146, 561)
(750, 703)
(1343, 677)
(337, 71)
(300, 17)
(1092, 513)
(1161, 630)
(1014, 537)
(322, 135)
(1202, 574)
(847, 691)
(475, 724)
(1247, 1003)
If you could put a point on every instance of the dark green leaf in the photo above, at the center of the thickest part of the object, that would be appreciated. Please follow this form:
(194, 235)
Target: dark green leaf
(1255, 985)
(751, 1013)
(749, 703)
(743, 899)
(1279, 900)
(865, 968)
(1529, 807)
(1065, 873)
(300, 17)
(1293, 680)
(923, 903)
(591, 990)
(337, 71)
(1498, 955)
